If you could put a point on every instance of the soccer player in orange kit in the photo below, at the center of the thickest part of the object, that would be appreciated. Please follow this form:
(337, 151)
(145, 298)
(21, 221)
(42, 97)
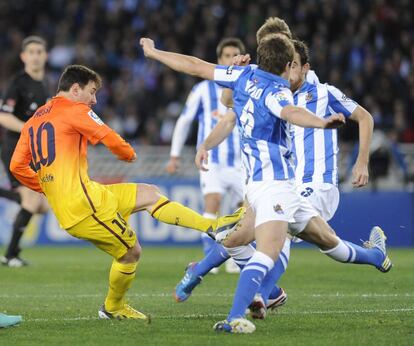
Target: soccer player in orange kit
(55, 140)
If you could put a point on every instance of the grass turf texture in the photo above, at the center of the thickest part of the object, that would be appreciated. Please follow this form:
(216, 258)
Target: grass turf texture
(329, 303)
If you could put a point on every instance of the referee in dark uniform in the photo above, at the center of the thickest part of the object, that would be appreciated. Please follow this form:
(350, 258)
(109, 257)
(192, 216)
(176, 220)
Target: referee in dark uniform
(24, 95)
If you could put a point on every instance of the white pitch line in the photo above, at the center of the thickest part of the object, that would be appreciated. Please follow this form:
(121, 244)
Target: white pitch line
(169, 294)
(192, 316)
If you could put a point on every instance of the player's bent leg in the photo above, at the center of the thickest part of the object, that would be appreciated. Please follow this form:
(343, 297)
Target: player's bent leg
(270, 237)
(240, 234)
(161, 208)
(374, 253)
(110, 232)
(212, 202)
(195, 272)
(121, 277)
(30, 205)
(270, 295)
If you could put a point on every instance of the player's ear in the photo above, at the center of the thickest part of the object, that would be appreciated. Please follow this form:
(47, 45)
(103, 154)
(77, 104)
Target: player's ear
(306, 68)
(75, 88)
(288, 66)
(23, 57)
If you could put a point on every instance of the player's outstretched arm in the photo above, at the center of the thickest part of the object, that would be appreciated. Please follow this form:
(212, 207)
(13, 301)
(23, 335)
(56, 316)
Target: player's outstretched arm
(365, 122)
(178, 62)
(119, 147)
(227, 94)
(19, 165)
(301, 117)
(219, 133)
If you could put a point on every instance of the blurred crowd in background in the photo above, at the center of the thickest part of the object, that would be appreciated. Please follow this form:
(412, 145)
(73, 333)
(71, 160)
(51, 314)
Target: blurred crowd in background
(366, 48)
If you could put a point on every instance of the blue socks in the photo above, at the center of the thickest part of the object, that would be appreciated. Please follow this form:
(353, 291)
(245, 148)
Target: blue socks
(208, 243)
(348, 252)
(214, 258)
(269, 289)
(249, 283)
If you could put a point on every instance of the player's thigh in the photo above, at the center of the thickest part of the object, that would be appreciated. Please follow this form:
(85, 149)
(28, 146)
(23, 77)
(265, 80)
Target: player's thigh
(126, 195)
(270, 237)
(109, 231)
(318, 232)
(304, 213)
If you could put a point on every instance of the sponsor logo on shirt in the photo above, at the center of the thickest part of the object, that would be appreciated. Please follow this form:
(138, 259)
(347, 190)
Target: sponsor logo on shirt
(95, 117)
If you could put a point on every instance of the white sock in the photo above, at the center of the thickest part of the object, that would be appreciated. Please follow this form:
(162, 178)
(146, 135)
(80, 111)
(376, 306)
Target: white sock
(241, 254)
(285, 253)
(209, 215)
(260, 257)
(341, 252)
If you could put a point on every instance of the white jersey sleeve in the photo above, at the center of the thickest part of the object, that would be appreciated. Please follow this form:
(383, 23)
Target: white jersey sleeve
(226, 76)
(275, 102)
(339, 102)
(183, 125)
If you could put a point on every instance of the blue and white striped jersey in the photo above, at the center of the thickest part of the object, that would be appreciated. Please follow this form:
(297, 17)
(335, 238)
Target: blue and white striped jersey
(204, 104)
(265, 138)
(316, 150)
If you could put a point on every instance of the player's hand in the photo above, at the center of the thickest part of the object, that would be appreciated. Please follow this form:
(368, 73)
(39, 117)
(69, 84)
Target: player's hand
(360, 175)
(335, 121)
(173, 165)
(201, 159)
(241, 60)
(148, 46)
(132, 159)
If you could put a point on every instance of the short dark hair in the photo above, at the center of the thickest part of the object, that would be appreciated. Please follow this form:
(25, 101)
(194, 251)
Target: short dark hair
(302, 49)
(78, 74)
(33, 39)
(274, 52)
(230, 42)
(273, 25)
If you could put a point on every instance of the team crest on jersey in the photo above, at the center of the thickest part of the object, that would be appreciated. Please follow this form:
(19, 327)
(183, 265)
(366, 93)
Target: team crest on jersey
(278, 209)
(281, 97)
(95, 117)
(308, 97)
(230, 69)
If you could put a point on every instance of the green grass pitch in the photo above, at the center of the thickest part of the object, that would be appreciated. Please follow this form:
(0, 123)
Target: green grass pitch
(329, 303)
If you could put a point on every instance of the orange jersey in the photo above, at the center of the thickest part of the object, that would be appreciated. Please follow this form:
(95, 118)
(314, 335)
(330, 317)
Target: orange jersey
(55, 140)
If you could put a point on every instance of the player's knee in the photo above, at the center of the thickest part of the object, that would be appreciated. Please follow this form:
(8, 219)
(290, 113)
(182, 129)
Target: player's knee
(133, 254)
(152, 193)
(136, 252)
